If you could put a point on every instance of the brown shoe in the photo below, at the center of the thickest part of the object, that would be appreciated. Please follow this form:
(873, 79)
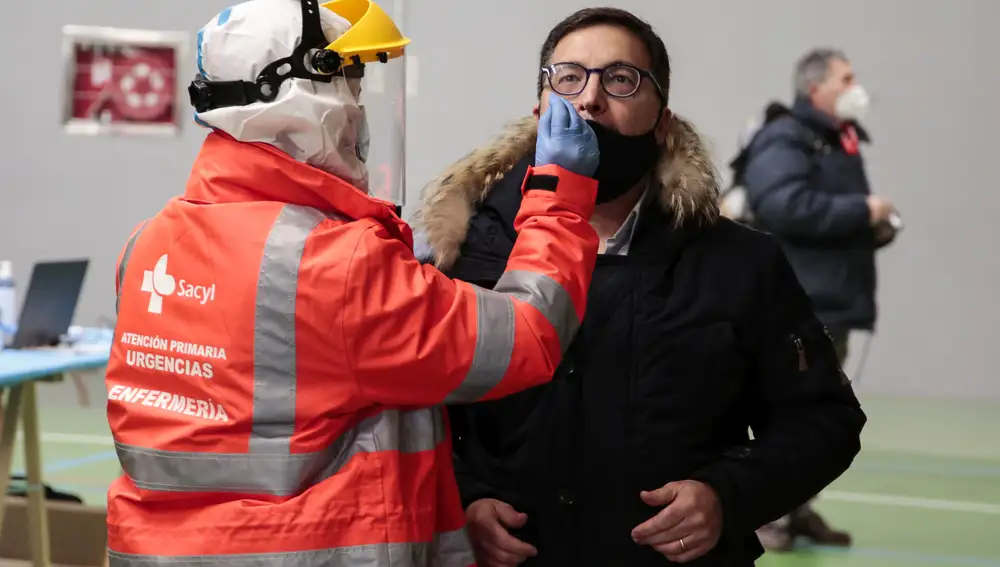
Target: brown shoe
(774, 537)
(805, 522)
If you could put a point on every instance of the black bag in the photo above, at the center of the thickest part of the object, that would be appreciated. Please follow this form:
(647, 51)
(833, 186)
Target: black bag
(19, 487)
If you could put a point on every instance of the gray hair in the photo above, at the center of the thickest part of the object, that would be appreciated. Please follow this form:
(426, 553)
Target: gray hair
(813, 67)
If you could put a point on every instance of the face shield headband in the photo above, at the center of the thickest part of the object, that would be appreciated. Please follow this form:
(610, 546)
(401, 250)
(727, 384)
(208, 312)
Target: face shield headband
(345, 57)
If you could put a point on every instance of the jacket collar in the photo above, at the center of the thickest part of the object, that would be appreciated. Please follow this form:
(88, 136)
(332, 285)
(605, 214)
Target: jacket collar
(806, 113)
(228, 171)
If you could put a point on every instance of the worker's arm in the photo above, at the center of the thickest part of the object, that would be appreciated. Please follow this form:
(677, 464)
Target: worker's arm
(417, 337)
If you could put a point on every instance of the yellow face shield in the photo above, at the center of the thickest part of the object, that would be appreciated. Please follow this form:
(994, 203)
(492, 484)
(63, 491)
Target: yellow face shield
(373, 35)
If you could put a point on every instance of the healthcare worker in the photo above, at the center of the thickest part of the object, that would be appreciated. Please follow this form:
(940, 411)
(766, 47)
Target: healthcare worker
(280, 357)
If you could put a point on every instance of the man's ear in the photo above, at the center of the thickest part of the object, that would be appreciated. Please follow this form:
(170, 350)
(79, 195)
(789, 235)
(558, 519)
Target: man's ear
(666, 116)
(814, 93)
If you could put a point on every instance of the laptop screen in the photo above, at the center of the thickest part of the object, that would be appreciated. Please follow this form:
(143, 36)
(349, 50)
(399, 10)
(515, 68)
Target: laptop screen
(50, 303)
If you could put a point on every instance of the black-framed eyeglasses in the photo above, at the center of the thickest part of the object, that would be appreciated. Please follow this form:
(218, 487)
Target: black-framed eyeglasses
(619, 80)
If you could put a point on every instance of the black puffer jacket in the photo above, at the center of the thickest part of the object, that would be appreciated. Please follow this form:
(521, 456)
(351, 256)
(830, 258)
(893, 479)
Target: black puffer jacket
(700, 333)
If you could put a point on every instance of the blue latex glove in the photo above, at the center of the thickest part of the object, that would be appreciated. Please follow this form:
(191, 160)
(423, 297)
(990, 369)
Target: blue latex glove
(566, 140)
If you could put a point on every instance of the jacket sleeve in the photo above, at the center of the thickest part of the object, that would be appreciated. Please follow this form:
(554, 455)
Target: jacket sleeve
(778, 187)
(417, 337)
(470, 486)
(806, 419)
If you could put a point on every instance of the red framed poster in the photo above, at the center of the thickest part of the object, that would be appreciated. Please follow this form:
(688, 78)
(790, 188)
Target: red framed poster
(122, 81)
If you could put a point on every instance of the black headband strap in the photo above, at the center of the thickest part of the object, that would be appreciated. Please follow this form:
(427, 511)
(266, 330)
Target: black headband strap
(208, 95)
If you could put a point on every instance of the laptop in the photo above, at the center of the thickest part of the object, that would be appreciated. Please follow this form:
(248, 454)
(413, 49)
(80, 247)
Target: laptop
(50, 303)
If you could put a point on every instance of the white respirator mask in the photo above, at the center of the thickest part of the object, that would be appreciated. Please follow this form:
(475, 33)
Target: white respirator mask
(852, 104)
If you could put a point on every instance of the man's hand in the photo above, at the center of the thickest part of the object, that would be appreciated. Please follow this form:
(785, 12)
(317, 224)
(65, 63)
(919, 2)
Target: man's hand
(688, 527)
(488, 521)
(879, 210)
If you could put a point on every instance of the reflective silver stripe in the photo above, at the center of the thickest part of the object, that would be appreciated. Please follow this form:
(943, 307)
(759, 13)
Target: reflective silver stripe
(407, 432)
(280, 475)
(274, 330)
(124, 263)
(428, 554)
(453, 549)
(495, 323)
(546, 295)
(494, 347)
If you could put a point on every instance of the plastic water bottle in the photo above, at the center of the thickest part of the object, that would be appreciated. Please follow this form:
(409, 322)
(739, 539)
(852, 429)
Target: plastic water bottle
(8, 303)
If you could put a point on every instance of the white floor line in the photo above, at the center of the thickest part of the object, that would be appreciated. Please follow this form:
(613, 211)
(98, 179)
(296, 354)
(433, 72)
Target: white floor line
(912, 502)
(74, 439)
(833, 495)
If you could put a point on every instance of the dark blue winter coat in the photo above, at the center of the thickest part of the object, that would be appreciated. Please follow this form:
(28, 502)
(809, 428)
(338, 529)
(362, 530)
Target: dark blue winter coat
(810, 193)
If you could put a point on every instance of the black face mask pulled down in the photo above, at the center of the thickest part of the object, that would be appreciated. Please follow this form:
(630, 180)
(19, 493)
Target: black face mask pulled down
(624, 160)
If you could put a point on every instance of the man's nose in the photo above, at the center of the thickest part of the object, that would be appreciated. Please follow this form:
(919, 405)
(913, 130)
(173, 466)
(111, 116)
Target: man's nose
(592, 101)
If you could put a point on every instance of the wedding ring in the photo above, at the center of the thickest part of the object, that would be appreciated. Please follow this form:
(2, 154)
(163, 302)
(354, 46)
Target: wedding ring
(683, 547)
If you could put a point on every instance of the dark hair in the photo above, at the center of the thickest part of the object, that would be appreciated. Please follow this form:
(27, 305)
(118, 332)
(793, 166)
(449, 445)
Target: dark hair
(589, 17)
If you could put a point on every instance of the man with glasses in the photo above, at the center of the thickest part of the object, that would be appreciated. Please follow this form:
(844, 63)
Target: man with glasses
(638, 452)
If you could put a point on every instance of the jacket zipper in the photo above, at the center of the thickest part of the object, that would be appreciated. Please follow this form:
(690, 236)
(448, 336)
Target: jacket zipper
(803, 363)
(826, 332)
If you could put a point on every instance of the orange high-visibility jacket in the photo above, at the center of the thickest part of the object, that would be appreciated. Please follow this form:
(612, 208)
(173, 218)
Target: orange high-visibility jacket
(281, 360)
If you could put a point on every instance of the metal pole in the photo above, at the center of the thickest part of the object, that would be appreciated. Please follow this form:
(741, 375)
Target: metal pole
(399, 16)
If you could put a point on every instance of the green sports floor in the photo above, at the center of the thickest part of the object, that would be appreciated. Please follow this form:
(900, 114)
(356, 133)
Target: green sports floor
(925, 490)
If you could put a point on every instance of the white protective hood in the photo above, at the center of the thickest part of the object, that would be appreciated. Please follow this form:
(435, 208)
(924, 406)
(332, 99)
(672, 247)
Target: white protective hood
(321, 124)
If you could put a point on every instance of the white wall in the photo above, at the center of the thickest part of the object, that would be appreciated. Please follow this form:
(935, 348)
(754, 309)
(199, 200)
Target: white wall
(932, 71)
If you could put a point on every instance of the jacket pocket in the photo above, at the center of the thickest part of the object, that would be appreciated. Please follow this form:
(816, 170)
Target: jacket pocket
(813, 348)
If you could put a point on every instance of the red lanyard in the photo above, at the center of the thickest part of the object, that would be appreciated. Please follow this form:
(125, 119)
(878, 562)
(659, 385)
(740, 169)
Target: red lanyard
(849, 139)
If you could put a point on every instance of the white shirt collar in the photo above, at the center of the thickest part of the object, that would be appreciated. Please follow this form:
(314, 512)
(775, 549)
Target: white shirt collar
(621, 241)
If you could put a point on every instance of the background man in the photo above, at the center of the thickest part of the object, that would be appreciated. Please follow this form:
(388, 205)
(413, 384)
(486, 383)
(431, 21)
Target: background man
(806, 184)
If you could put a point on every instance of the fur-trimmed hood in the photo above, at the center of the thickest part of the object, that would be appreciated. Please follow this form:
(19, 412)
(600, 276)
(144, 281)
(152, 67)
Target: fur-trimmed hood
(688, 180)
